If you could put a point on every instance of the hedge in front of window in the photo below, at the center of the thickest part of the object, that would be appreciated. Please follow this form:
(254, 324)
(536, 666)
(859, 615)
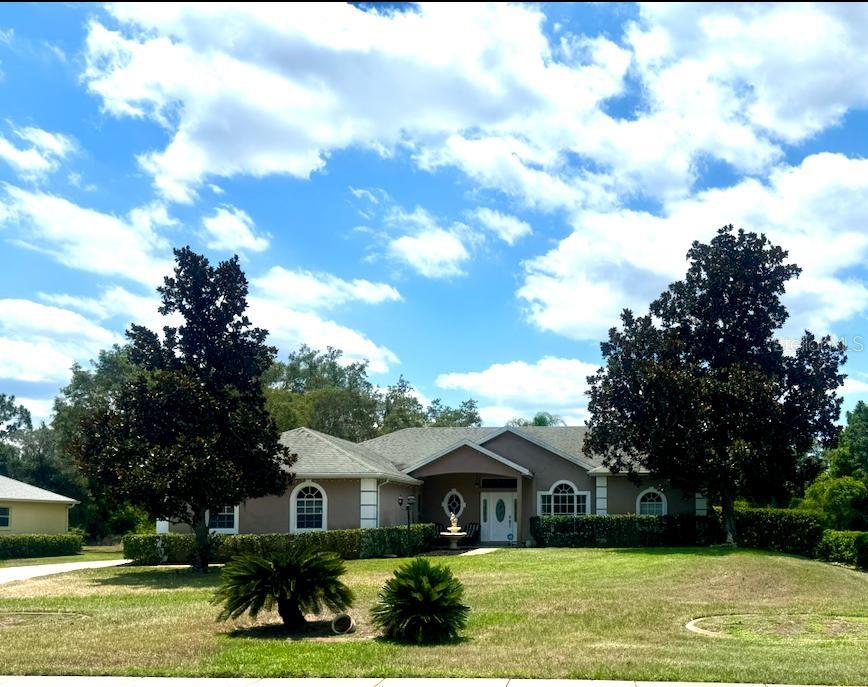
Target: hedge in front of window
(624, 530)
(39, 545)
(177, 549)
(844, 546)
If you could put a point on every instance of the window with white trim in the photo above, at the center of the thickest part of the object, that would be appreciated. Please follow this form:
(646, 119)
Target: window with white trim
(563, 499)
(309, 508)
(651, 502)
(222, 519)
(454, 502)
(4, 517)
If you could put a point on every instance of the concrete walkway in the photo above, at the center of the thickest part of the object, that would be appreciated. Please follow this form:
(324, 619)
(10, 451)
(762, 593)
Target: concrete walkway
(27, 572)
(36, 681)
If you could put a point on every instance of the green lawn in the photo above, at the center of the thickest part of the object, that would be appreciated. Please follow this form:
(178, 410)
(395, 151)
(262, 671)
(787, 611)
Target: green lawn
(88, 553)
(535, 613)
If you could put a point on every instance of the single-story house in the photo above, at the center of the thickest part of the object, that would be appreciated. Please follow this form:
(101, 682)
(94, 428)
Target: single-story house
(497, 477)
(25, 509)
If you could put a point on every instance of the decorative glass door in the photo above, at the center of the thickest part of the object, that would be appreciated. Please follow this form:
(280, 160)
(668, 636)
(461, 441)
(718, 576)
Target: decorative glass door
(498, 516)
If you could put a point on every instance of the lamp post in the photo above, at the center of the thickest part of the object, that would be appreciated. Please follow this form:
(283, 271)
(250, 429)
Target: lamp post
(410, 500)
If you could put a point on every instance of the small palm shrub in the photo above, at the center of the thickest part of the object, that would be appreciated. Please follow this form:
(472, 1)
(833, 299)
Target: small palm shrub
(421, 604)
(295, 581)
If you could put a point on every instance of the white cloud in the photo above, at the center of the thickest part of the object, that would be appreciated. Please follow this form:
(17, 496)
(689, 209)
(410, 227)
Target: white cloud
(116, 302)
(290, 328)
(853, 386)
(260, 89)
(817, 210)
(315, 290)
(506, 227)
(520, 389)
(290, 84)
(43, 156)
(232, 229)
(39, 343)
(89, 240)
(425, 246)
(434, 253)
(41, 409)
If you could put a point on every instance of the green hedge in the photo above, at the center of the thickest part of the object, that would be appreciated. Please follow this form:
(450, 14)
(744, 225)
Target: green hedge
(844, 546)
(173, 548)
(624, 530)
(38, 545)
(778, 529)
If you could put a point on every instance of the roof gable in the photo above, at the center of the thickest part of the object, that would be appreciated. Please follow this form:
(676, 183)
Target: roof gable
(521, 470)
(528, 436)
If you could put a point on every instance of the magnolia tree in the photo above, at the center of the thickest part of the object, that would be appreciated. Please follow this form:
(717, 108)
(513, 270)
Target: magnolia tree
(189, 432)
(700, 392)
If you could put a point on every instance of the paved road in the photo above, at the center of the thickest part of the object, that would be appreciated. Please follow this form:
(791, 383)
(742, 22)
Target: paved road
(27, 572)
(35, 681)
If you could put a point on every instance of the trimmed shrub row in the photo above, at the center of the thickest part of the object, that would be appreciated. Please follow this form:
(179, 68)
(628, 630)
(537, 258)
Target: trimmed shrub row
(844, 546)
(624, 530)
(173, 548)
(39, 545)
(778, 529)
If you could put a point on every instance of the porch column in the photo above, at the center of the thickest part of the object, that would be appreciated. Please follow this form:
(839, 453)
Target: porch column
(602, 495)
(519, 521)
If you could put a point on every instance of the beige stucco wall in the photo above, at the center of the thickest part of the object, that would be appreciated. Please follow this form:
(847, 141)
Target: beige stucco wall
(36, 518)
(271, 513)
(547, 469)
(390, 513)
(435, 489)
(623, 493)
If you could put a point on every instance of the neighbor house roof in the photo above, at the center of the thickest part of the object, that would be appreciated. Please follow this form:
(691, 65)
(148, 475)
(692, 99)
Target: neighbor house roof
(408, 447)
(13, 490)
(323, 456)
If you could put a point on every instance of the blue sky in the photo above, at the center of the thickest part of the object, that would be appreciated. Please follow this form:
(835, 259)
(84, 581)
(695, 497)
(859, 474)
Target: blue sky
(465, 195)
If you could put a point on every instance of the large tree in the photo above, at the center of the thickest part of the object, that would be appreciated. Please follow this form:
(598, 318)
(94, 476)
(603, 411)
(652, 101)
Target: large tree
(700, 391)
(541, 419)
(315, 389)
(850, 457)
(401, 408)
(189, 432)
(14, 418)
(465, 415)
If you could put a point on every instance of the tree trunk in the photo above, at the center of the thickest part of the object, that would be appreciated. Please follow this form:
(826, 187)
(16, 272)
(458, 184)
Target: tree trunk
(202, 543)
(727, 507)
(290, 614)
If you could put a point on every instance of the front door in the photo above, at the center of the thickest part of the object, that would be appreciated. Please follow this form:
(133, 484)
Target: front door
(498, 516)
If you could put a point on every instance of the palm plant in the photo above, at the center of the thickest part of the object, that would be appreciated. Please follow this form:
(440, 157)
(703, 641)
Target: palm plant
(296, 581)
(421, 604)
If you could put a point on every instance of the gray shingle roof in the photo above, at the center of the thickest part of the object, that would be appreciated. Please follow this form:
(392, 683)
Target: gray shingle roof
(13, 490)
(324, 456)
(408, 446)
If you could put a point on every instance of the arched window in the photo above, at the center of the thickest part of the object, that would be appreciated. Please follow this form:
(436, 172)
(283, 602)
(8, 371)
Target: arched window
(308, 508)
(454, 502)
(563, 499)
(651, 502)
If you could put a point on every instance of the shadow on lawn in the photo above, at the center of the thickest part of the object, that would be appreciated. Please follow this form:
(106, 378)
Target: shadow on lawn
(313, 629)
(166, 579)
(705, 551)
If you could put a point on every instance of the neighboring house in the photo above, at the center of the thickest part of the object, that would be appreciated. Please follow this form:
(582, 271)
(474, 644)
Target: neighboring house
(25, 509)
(498, 477)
